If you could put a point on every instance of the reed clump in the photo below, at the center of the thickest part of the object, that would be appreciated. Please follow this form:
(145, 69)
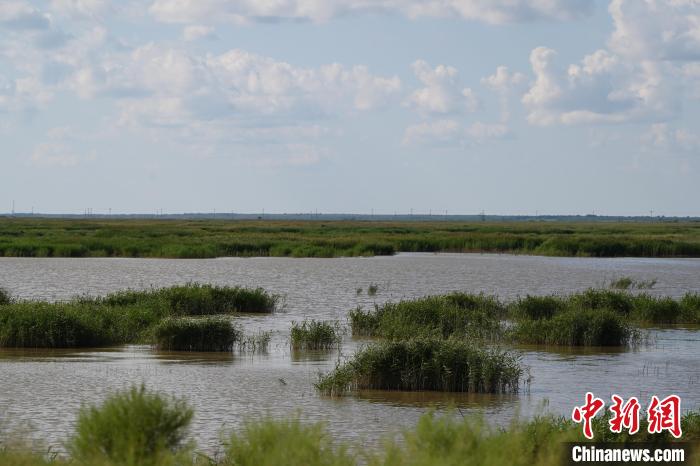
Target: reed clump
(196, 299)
(437, 316)
(450, 365)
(315, 335)
(215, 333)
(575, 327)
(119, 318)
(5, 297)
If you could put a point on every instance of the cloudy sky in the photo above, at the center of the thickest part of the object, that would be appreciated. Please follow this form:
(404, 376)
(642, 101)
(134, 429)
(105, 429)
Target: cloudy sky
(506, 106)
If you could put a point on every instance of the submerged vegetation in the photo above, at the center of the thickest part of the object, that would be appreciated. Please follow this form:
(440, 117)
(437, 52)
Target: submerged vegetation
(128, 317)
(425, 364)
(39, 237)
(315, 335)
(144, 428)
(627, 283)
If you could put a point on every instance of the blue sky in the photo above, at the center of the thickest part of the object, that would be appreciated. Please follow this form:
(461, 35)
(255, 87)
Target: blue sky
(506, 106)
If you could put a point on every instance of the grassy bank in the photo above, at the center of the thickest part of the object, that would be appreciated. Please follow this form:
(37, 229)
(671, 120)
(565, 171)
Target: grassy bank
(28, 237)
(425, 364)
(139, 427)
(125, 317)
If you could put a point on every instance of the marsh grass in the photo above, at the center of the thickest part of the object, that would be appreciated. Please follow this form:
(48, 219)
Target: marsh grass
(195, 299)
(133, 427)
(255, 343)
(435, 316)
(575, 327)
(5, 297)
(627, 283)
(451, 365)
(39, 237)
(285, 442)
(315, 335)
(119, 318)
(212, 333)
(372, 289)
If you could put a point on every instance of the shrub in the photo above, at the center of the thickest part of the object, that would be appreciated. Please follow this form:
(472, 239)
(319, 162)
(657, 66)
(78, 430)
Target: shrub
(425, 364)
(315, 335)
(134, 427)
(195, 334)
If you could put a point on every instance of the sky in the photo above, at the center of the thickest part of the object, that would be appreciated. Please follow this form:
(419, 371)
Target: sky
(352, 106)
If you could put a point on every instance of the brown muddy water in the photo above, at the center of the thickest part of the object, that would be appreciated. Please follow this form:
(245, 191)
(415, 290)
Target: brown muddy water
(41, 391)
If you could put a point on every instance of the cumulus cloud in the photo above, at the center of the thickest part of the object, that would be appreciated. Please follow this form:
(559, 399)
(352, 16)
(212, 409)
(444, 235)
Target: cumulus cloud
(443, 92)
(656, 29)
(503, 82)
(489, 11)
(600, 89)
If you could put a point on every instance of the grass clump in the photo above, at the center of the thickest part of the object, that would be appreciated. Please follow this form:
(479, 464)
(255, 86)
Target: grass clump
(195, 334)
(269, 442)
(197, 299)
(627, 283)
(372, 289)
(436, 316)
(425, 364)
(134, 427)
(575, 327)
(255, 343)
(315, 335)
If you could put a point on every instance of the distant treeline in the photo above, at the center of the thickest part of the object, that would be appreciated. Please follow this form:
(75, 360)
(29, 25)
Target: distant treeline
(27, 237)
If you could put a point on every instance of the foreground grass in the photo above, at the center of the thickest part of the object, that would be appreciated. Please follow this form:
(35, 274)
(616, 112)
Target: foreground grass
(131, 317)
(23, 237)
(452, 365)
(137, 427)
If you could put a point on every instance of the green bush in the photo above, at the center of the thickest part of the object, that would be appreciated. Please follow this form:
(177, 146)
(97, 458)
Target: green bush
(134, 427)
(425, 364)
(196, 334)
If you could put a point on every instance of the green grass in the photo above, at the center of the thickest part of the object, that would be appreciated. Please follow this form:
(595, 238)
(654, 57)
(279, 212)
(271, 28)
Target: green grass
(315, 335)
(119, 318)
(196, 334)
(5, 297)
(134, 427)
(195, 299)
(639, 308)
(575, 327)
(425, 364)
(271, 442)
(627, 283)
(39, 237)
(436, 316)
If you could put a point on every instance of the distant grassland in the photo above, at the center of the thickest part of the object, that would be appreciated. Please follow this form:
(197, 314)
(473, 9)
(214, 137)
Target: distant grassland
(219, 238)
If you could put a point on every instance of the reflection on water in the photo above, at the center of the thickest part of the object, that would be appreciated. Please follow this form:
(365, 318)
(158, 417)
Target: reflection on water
(47, 388)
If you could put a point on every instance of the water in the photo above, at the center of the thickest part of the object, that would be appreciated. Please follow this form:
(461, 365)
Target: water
(41, 391)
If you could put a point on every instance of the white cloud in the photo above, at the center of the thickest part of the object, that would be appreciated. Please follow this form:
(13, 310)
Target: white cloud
(482, 132)
(197, 32)
(489, 11)
(19, 15)
(656, 29)
(503, 82)
(90, 9)
(443, 92)
(601, 89)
